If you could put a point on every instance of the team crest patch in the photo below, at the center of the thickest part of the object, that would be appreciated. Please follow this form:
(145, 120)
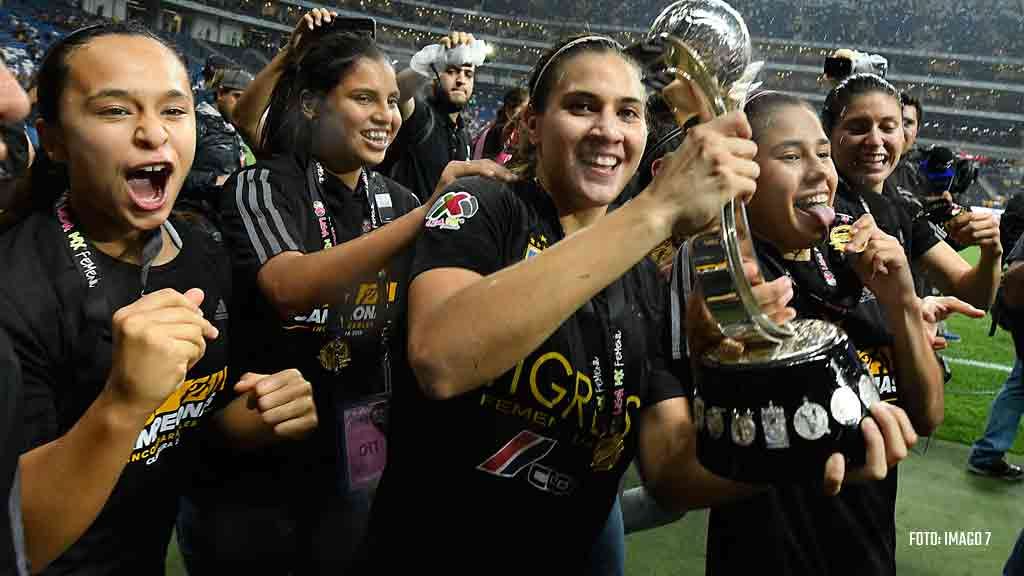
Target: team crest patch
(452, 210)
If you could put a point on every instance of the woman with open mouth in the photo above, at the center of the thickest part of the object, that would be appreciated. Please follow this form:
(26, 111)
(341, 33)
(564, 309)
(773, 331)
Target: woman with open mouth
(118, 314)
(863, 118)
(861, 282)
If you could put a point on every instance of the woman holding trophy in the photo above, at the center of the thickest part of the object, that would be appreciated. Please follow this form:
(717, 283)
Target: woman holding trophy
(794, 528)
(527, 410)
(771, 408)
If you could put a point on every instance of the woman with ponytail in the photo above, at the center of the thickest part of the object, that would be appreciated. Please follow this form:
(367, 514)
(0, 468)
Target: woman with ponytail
(117, 313)
(320, 257)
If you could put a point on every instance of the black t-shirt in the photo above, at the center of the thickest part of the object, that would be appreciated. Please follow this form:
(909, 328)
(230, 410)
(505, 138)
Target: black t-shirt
(12, 537)
(512, 462)
(894, 214)
(797, 530)
(917, 236)
(427, 142)
(268, 209)
(65, 356)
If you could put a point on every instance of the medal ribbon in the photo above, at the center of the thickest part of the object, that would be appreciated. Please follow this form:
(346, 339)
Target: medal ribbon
(381, 212)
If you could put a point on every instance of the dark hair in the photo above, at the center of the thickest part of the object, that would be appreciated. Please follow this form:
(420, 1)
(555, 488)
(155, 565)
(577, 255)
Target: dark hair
(852, 86)
(50, 178)
(545, 72)
(316, 73)
(543, 80)
(907, 100)
(663, 136)
(53, 71)
(515, 97)
(761, 107)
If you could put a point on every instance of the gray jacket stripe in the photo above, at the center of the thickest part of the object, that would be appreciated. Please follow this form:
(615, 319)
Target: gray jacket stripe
(243, 210)
(274, 214)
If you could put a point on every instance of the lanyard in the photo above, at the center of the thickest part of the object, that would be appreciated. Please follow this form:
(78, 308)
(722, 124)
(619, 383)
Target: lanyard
(82, 252)
(97, 311)
(607, 356)
(381, 212)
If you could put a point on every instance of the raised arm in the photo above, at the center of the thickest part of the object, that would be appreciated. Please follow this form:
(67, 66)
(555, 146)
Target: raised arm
(410, 81)
(883, 268)
(976, 284)
(713, 165)
(249, 110)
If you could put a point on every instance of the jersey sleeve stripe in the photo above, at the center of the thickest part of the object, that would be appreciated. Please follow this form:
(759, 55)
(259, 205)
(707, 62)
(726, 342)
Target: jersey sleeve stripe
(274, 214)
(244, 210)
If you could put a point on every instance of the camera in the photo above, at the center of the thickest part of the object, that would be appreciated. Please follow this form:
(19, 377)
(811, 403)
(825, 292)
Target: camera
(844, 62)
(945, 172)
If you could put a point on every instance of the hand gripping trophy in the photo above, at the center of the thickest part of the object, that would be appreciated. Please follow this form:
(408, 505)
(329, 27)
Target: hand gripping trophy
(797, 391)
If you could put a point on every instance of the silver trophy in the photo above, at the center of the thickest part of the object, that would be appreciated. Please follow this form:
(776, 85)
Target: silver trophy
(796, 391)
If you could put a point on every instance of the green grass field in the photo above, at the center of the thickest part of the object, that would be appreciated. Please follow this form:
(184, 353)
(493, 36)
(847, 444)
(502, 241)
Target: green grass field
(970, 392)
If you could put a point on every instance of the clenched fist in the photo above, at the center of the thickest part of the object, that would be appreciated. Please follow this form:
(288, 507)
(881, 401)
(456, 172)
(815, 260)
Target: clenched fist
(156, 340)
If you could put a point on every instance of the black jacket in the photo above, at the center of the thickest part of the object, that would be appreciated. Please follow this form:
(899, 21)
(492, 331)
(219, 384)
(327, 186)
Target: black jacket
(218, 153)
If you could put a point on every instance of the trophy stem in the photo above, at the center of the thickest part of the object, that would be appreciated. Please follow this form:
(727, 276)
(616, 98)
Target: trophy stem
(764, 325)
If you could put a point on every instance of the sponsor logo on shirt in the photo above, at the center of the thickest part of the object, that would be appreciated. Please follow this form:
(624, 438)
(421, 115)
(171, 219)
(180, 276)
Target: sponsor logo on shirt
(222, 311)
(524, 452)
(181, 410)
(548, 392)
(452, 210)
(318, 316)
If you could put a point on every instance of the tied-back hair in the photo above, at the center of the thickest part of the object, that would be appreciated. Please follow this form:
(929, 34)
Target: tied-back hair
(49, 178)
(762, 106)
(543, 79)
(852, 86)
(288, 128)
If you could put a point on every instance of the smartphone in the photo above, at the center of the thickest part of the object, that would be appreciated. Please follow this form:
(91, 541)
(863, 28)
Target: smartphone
(357, 25)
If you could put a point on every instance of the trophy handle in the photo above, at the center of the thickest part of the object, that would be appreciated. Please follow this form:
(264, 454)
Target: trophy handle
(764, 325)
(715, 261)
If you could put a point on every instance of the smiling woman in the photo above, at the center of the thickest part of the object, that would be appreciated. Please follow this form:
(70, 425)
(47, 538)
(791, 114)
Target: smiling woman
(534, 333)
(864, 118)
(319, 247)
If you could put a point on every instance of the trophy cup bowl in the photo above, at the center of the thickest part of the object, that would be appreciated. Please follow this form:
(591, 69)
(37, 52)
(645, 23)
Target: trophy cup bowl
(798, 391)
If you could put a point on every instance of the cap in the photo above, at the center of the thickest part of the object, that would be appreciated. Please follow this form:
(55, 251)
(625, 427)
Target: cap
(234, 80)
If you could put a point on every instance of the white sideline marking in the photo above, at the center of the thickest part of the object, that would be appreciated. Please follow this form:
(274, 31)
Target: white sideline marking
(988, 365)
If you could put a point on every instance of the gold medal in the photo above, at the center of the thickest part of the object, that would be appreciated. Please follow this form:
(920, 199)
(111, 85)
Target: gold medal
(607, 451)
(840, 236)
(335, 355)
